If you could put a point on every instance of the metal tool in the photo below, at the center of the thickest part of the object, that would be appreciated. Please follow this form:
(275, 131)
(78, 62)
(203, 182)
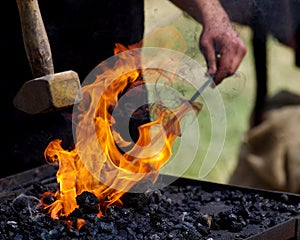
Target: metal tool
(201, 89)
(48, 91)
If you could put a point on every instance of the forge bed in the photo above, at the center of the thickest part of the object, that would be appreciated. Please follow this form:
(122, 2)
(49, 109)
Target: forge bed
(184, 209)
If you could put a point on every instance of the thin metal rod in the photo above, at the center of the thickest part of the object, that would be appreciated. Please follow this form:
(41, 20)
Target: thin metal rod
(200, 90)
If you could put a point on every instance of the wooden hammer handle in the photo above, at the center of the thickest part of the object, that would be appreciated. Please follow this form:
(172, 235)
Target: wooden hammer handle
(35, 38)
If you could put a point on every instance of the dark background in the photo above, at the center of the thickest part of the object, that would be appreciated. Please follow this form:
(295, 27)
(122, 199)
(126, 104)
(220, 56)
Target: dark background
(82, 33)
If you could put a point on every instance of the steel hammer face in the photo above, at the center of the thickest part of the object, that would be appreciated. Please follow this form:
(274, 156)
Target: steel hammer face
(49, 93)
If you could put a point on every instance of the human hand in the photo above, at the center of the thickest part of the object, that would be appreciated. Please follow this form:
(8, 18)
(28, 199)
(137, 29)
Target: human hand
(219, 42)
(222, 48)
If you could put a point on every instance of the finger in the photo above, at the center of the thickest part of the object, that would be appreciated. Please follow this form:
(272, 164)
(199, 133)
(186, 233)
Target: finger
(229, 62)
(224, 68)
(210, 57)
(240, 53)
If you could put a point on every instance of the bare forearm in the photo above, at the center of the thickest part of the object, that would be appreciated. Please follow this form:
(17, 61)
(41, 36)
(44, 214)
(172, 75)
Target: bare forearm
(202, 11)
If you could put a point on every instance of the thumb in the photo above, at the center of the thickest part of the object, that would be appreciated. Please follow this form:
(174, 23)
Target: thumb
(208, 50)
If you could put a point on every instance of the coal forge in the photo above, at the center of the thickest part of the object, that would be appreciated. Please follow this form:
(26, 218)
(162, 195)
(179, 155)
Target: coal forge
(89, 197)
(185, 209)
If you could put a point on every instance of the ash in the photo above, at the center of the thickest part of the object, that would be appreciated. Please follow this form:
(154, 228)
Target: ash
(174, 212)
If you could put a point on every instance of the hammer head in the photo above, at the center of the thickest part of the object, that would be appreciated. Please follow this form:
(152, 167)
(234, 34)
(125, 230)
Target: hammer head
(49, 93)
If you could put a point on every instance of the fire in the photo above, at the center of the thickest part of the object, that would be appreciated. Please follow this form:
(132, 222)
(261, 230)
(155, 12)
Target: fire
(111, 171)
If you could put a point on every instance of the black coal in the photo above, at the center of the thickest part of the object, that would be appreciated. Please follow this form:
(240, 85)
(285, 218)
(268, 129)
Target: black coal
(186, 209)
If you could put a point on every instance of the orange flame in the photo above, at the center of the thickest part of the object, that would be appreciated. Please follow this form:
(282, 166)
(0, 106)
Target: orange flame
(109, 173)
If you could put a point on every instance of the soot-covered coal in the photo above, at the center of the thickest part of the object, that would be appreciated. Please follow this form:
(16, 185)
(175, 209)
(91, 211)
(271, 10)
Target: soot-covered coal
(173, 212)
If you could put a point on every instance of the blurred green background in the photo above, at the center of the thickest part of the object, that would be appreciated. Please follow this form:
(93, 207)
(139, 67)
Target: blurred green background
(237, 92)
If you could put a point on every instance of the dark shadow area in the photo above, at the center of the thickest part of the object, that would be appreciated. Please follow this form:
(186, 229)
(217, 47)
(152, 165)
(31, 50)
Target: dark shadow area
(81, 33)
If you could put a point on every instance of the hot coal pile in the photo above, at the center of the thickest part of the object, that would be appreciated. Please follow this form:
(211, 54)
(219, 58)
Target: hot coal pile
(186, 209)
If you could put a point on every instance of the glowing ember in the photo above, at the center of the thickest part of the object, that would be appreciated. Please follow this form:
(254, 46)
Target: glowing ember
(111, 172)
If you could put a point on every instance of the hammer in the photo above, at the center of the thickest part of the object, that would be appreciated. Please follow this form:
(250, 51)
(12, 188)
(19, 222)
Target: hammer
(47, 91)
